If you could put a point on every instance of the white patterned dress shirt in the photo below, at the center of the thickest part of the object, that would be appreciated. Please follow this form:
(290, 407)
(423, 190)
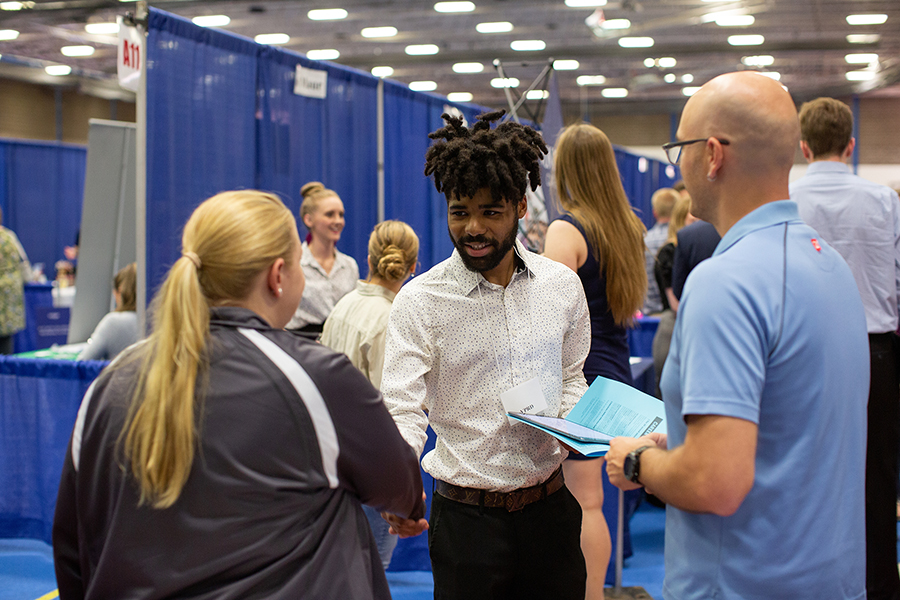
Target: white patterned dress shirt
(323, 290)
(456, 341)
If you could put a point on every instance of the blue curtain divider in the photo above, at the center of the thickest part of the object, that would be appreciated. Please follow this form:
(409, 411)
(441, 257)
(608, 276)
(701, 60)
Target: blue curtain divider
(41, 191)
(39, 400)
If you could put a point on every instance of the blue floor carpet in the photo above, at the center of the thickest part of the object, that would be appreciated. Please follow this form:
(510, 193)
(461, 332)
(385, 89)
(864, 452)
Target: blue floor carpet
(26, 566)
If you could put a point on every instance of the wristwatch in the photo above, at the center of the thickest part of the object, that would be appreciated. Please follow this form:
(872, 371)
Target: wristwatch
(632, 465)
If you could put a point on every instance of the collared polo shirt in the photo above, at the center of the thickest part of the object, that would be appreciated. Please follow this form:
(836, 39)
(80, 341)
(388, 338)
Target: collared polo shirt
(771, 329)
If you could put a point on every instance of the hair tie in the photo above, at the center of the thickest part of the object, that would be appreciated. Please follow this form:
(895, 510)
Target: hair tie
(192, 256)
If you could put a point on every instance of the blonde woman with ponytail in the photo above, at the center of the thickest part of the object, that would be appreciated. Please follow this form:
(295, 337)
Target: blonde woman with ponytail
(225, 456)
(358, 325)
(600, 238)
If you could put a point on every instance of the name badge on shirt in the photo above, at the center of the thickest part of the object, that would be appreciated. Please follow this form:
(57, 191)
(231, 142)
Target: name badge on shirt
(527, 397)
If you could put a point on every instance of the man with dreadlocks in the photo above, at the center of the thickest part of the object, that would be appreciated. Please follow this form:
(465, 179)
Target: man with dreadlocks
(494, 328)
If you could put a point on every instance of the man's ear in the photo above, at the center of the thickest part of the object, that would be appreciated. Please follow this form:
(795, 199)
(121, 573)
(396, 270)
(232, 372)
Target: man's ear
(522, 207)
(807, 153)
(848, 151)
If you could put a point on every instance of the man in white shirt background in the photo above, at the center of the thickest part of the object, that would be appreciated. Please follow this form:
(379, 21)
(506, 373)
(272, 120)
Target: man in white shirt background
(861, 220)
(492, 329)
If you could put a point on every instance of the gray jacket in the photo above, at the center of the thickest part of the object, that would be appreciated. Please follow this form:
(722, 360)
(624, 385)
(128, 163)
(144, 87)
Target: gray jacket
(292, 439)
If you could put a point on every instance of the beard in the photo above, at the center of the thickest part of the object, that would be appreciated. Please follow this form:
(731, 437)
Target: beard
(491, 260)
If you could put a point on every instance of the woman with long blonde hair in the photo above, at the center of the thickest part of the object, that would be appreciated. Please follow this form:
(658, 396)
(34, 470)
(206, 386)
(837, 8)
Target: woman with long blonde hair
(225, 456)
(600, 238)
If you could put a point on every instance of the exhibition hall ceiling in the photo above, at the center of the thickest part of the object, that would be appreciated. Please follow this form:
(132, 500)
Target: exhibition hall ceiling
(620, 55)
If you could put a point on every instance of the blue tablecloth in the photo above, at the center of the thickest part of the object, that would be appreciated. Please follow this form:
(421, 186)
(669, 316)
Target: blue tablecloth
(36, 295)
(39, 400)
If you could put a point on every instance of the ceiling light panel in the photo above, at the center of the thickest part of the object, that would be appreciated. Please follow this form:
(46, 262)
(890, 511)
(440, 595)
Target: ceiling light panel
(863, 38)
(861, 59)
(11, 6)
(421, 49)
(327, 14)
(669, 78)
(636, 42)
(212, 20)
(615, 24)
(460, 96)
(494, 27)
(735, 20)
(468, 67)
(537, 94)
(667, 62)
(272, 39)
(508, 82)
(614, 92)
(690, 90)
(102, 28)
(323, 54)
(590, 80)
(761, 60)
(860, 75)
(867, 19)
(527, 45)
(746, 40)
(585, 3)
(382, 71)
(566, 65)
(423, 86)
(378, 32)
(454, 7)
(77, 50)
(57, 70)
(7, 35)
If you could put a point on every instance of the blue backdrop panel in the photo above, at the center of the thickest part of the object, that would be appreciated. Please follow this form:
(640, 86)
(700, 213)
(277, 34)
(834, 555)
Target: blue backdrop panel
(332, 140)
(39, 400)
(41, 189)
(201, 127)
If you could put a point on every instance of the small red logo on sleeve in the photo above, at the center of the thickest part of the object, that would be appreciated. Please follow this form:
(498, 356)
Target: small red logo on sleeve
(816, 245)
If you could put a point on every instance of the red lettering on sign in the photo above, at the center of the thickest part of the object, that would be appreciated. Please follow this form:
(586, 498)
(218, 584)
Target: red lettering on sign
(126, 55)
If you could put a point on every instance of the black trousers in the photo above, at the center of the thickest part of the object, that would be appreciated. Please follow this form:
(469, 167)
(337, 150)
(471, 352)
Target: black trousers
(493, 554)
(882, 581)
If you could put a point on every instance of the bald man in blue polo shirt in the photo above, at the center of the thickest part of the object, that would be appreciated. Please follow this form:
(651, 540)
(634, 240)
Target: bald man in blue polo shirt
(763, 470)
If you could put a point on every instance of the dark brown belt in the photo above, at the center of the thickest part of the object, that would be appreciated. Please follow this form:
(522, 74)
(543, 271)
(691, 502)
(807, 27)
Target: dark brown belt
(511, 501)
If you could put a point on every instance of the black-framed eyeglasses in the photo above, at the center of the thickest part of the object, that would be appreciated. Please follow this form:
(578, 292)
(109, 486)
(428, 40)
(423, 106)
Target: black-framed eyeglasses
(673, 149)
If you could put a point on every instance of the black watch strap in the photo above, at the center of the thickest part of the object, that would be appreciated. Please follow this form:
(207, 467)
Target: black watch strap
(633, 460)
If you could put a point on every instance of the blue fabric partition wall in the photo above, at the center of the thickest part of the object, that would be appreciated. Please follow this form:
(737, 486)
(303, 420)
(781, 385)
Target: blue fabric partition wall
(41, 189)
(201, 127)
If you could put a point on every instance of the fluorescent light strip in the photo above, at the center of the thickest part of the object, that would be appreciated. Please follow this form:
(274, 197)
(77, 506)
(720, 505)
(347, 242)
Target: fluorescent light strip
(537, 94)
(382, 71)
(861, 59)
(527, 45)
(494, 27)
(7, 35)
(57, 70)
(500, 82)
(687, 78)
(460, 96)
(669, 78)
(746, 40)
(421, 49)
(454, 7)
(615, 24)
(11, 6)
(690, 91)
(585, 3)
(423, 86)
(212, 20)
(272, 39)
(378, 32)
(667, 62)
(636, 42)
(590, 80)
(614, 92)
(327, 14)
(860, 75)
(77, 50)
(468, 67)
(868, 19)
(762, 60)
(102, 28)
(566, 65)
(735, 20)
(863, 38)
(323, 54)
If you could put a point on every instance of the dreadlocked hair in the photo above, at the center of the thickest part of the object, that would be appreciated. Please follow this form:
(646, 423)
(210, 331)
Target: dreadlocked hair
(504, 158)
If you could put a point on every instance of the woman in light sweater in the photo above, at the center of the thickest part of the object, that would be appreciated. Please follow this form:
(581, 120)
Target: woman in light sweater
(358, 324)
(119, 329)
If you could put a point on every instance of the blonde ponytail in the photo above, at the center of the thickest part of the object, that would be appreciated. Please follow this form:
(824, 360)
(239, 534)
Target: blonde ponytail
(229, 239)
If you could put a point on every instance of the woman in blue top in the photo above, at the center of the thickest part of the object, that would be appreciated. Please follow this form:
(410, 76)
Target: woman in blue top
(602, 240)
